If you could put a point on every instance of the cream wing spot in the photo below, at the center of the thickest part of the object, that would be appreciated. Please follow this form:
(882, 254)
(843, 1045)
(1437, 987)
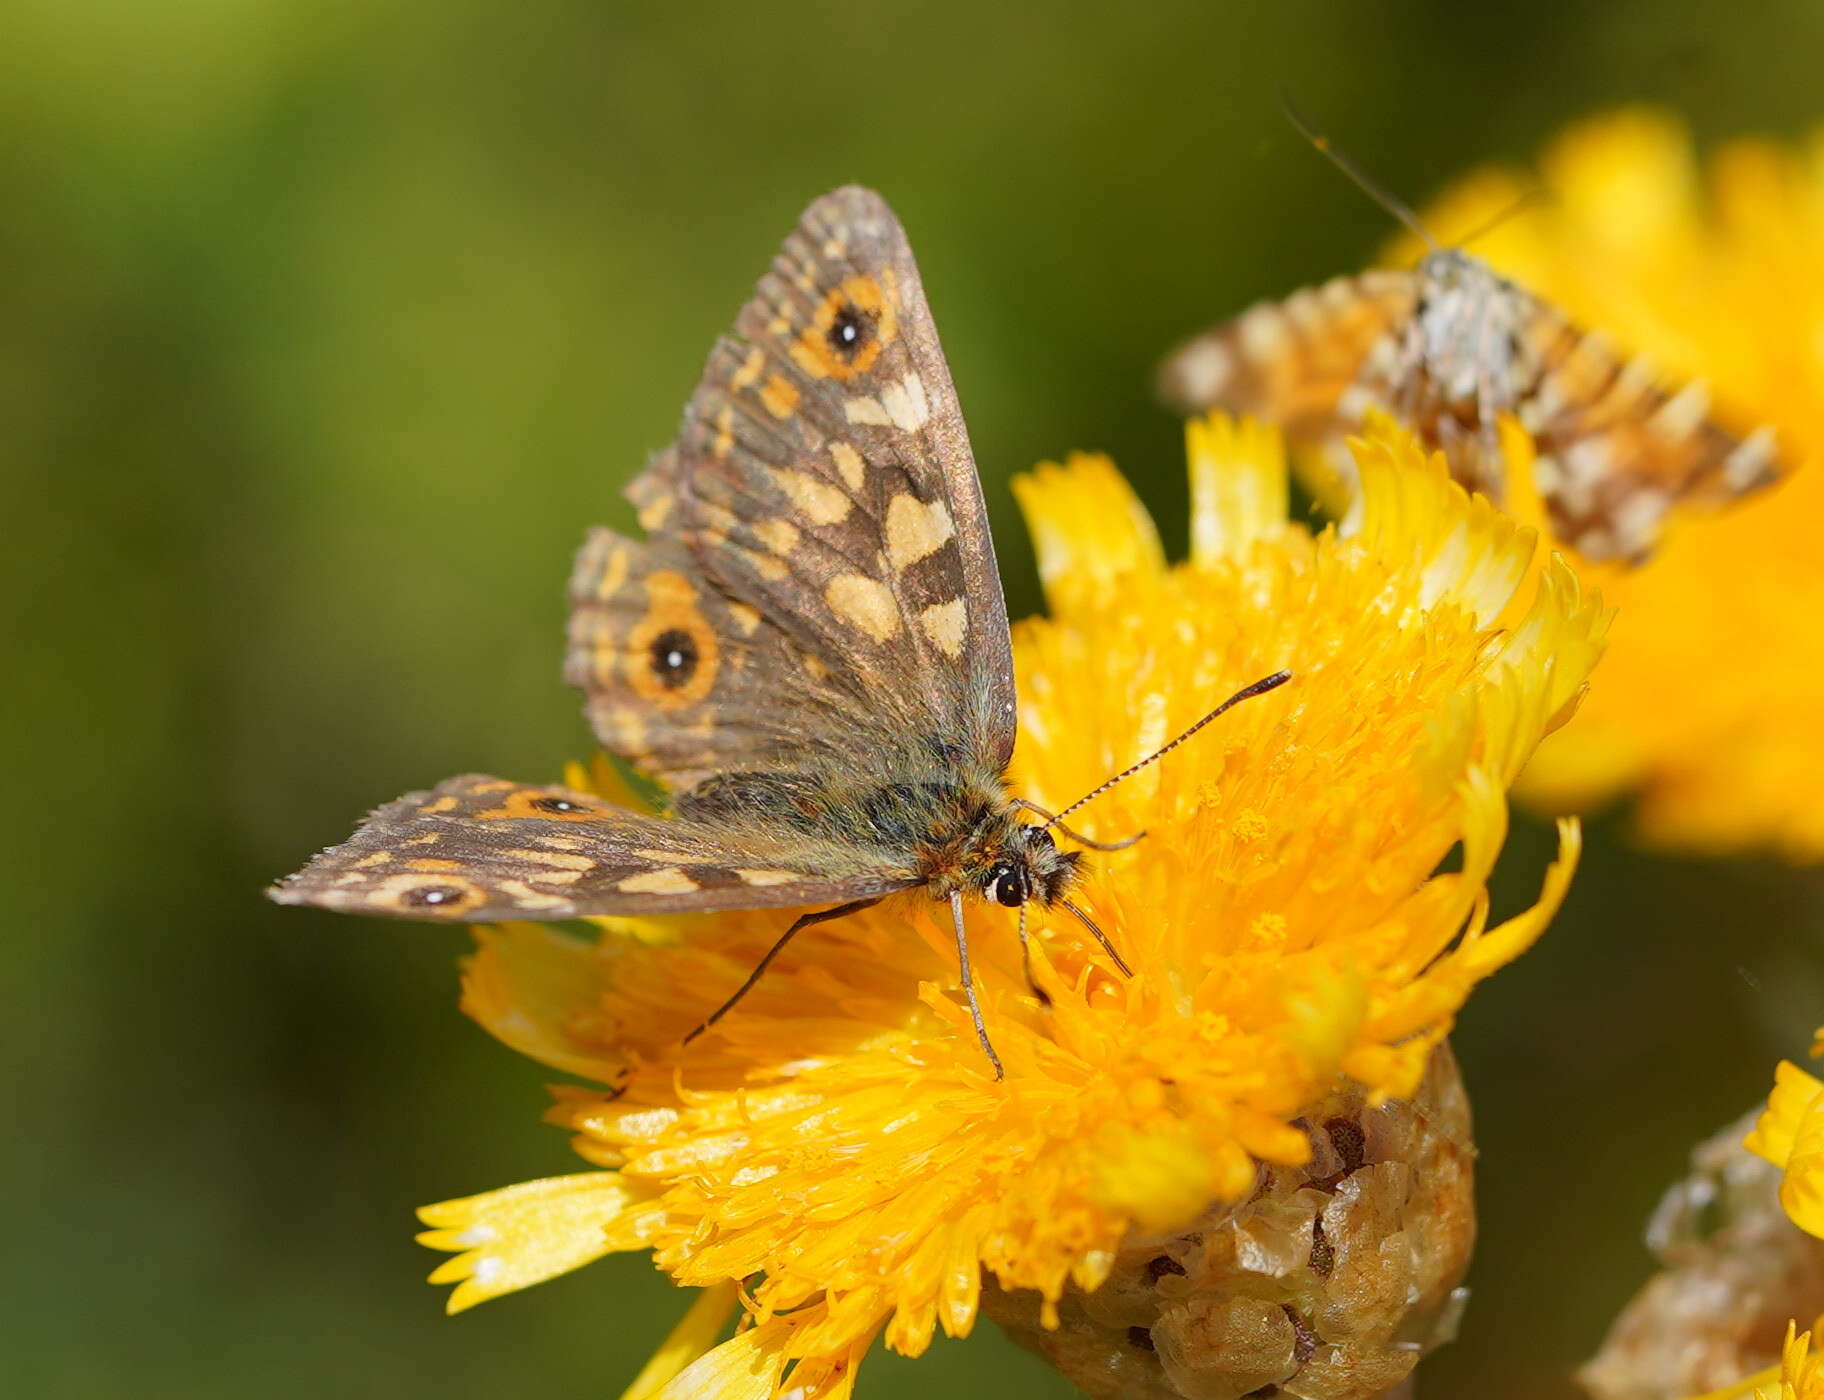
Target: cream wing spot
(864, 603)
(771, 569)
(906, 404)
(780, 396)
(780, 536)
(1680, 415)
(915, 530)
(1353, 405)
(749, 373)
(1304, 309)
(526, 897)
(821, 502)
(614, 573)
(553, 858)
(1339, 293)
(653, 513)
(849, 465)
(864, 408)
(766, 877)
(1638, 376)
(1262, 332)
(947, 625)
(1752, 462)
(1204, 370)
(1636, 520)
(668, 881)
(746, 618)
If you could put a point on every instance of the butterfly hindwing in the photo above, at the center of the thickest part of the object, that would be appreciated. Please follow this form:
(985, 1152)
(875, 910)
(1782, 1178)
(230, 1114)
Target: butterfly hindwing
(1616, 448)
(1292, 363)
(478, 848)
(822, 485)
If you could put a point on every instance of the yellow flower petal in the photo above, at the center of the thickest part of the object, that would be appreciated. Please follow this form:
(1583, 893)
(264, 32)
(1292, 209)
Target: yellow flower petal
(1790, 1134)
(693, 1337)
(1159, 1179)
(1240, 487)
(537, 990)
(1776, 1131)
(525, 1234)
(1089, 530)
(746, 1367)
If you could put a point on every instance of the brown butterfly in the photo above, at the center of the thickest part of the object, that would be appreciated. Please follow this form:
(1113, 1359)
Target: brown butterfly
(1447, 348)
(809, 650)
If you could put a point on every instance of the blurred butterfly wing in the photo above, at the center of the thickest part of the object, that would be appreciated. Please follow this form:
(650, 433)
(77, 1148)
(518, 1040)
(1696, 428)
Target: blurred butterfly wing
(476, 848)
(822, 506)
(1293, 362)
(1617, 449)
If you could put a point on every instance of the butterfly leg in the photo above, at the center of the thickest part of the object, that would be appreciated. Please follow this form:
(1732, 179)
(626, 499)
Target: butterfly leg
(1043, 996)
(816, 916)
(975, 1007)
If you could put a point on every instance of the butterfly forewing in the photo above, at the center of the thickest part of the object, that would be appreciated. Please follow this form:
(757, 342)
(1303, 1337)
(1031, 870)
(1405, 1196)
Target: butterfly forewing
(1292, 362)
(479, 848)
(822, 484)
(1617, 449)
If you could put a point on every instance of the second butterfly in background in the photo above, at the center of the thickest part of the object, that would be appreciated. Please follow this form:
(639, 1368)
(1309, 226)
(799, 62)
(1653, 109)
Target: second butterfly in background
(1449, 347)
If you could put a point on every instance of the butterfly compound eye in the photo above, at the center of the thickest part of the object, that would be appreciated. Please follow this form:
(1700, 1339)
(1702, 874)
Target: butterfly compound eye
(674, 657)
(1007, 885)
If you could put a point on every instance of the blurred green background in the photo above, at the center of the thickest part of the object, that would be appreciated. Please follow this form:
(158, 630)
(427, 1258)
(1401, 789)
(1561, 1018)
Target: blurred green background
(326, 328)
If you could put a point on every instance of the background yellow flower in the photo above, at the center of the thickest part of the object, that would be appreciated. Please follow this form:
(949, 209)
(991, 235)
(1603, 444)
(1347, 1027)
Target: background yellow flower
(1717, 272)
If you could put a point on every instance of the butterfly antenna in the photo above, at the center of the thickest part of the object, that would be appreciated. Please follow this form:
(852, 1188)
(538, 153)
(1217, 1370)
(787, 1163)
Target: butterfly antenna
(1536, 195)
(1400, 211)
(1260, 687)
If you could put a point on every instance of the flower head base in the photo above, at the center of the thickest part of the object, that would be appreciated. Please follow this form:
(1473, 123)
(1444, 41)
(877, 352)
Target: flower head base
(1715, 274)
(1331, 1278)
(839, 1143)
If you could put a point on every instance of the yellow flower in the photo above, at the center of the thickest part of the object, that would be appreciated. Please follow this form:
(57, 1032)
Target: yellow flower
(1790, 1135)
(837, 1146)
(1799, 1376)
(1718, 274)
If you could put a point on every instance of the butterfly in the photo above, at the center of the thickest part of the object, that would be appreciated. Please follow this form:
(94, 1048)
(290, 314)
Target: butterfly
(1450, 346)
(809, 651)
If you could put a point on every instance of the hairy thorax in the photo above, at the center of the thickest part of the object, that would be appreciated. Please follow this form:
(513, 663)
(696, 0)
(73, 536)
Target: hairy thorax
(1466, 337)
